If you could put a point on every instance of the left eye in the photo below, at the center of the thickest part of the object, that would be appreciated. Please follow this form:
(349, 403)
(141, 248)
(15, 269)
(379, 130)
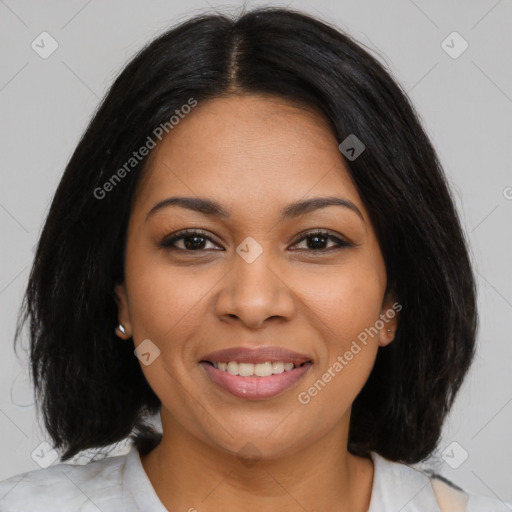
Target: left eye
(317, 240)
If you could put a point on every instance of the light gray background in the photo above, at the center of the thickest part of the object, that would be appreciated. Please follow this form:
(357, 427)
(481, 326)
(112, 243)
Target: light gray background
(465, 104)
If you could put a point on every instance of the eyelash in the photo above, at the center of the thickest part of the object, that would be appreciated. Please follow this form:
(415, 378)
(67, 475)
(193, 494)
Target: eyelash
(168, 243)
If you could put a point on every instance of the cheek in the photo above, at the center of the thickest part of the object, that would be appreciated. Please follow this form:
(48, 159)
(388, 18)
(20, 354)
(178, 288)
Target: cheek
(346, 306)
(166, 301)
(166, 307)
(346, 299)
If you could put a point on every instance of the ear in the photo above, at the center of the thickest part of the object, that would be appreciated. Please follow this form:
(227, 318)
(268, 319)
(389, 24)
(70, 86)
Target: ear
(123, 310)
(389, 317)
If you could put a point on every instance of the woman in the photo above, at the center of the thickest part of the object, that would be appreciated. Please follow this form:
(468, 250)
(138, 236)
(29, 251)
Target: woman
(256, 210)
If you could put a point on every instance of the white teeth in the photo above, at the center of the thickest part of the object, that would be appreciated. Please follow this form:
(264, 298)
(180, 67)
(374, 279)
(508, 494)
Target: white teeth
(245, 369)
(254, 369)
(233, 368)
(263, 369)
(277, 367)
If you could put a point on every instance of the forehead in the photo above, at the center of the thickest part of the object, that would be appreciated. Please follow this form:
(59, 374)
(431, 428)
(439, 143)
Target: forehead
(247, 150)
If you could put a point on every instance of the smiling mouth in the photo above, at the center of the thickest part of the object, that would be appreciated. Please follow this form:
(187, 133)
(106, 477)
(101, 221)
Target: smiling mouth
(258, 380)
(265, 369)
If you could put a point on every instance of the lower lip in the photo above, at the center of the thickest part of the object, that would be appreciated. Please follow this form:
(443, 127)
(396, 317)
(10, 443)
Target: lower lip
(256, 388)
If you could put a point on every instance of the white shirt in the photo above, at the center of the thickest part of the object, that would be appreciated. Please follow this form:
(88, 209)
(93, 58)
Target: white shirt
(119, 483)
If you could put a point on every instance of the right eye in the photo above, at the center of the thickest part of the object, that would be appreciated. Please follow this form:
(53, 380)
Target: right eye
(190, 241)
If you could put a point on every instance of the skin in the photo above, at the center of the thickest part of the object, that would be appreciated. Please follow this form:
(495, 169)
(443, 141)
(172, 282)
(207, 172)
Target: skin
(254, 155)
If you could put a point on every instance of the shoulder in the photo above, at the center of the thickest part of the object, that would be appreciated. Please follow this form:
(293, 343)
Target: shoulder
(478, 503)
(65, 487)
(409, 489)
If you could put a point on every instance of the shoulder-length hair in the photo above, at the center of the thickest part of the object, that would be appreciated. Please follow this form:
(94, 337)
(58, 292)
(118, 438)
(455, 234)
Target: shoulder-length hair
(90, 386)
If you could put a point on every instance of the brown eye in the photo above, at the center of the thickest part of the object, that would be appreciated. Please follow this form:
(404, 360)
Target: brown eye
(317, 240)
(189, 241)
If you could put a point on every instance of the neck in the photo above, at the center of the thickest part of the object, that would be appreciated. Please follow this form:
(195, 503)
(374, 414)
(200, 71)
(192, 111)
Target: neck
(189, 474)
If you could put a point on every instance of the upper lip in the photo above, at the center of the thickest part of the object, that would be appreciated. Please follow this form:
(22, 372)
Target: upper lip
(256, 355)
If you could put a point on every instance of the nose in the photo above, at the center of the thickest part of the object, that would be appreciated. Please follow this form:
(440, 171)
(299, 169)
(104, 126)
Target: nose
(255, 293)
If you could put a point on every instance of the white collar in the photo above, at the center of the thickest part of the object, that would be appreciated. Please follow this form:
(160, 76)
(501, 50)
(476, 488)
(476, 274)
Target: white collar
(400, 488)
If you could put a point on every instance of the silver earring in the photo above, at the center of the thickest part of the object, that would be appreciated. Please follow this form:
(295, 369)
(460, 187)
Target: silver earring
(121, 328)
(390, 331)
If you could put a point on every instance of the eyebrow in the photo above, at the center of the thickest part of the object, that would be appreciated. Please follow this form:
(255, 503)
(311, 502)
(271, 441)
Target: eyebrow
(295, 209)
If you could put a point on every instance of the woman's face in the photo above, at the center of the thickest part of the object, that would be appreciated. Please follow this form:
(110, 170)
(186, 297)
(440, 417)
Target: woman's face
(256, 281)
